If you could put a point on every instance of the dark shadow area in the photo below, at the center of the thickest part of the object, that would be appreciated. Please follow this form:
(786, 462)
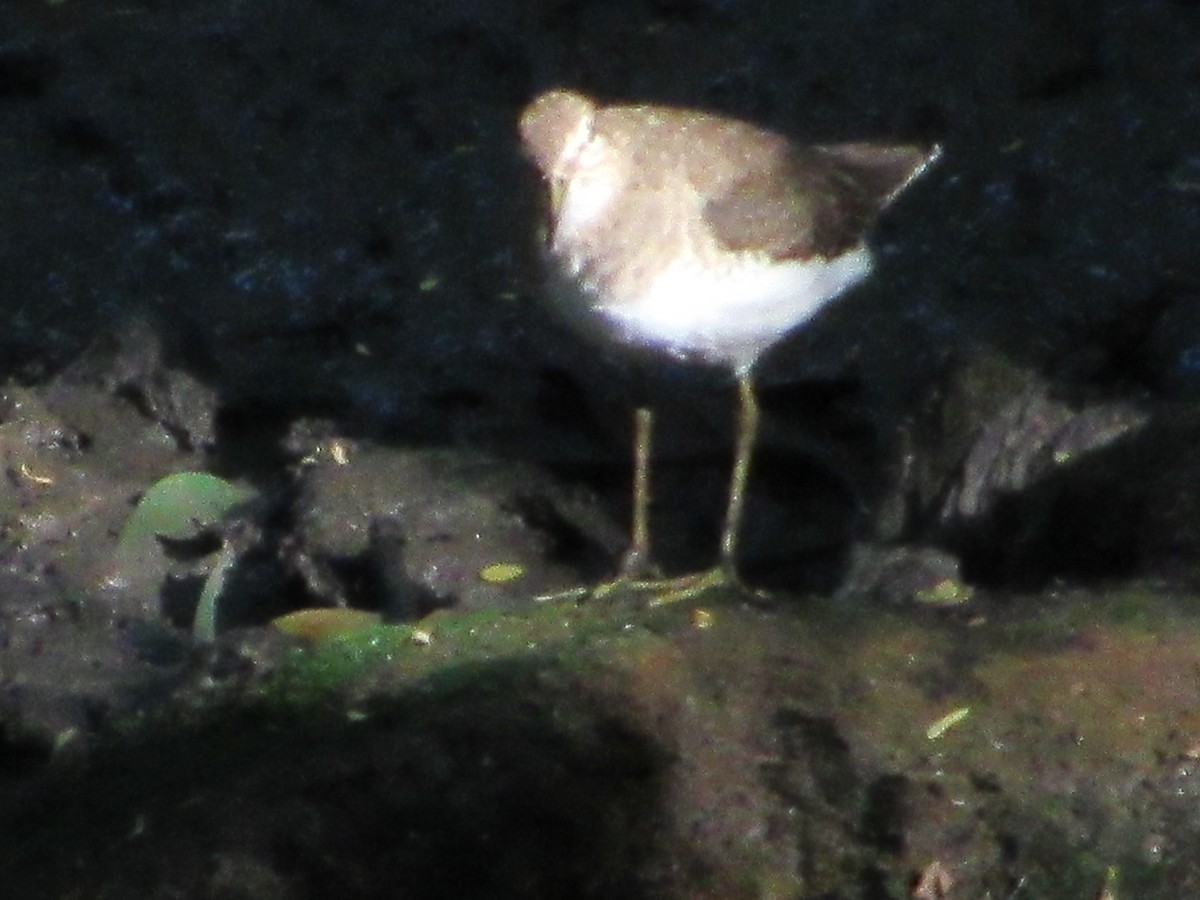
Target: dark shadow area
(495, 781)
(1131, 507)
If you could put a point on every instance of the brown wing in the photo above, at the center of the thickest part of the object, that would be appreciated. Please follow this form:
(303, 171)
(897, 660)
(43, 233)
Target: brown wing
(812, 201)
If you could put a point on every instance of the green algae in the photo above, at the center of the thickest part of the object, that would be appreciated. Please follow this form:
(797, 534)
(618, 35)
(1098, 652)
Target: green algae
(448, 643)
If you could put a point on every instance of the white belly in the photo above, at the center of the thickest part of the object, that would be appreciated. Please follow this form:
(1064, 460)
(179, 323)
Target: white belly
(731, 315)
(677, 289)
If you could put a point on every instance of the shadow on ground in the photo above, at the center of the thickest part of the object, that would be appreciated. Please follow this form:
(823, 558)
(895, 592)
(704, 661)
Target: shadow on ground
(504, 784)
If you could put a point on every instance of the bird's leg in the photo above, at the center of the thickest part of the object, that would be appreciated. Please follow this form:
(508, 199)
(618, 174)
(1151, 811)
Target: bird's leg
(636, 569)
(743, 451)
(725, 572)
(636, 560)
(633, 574)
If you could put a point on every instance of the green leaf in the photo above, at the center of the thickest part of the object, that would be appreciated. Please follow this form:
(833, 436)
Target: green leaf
(178, 506)
(204, 625)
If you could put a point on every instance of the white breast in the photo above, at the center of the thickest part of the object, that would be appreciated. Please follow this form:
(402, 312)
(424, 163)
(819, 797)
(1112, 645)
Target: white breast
(586, 191)
(676, 288)
(731, 312)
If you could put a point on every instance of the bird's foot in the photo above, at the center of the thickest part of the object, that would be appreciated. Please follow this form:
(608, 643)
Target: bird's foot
(660, 590)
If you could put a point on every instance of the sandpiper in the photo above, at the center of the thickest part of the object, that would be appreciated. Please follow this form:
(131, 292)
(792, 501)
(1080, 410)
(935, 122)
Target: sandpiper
(707, 238)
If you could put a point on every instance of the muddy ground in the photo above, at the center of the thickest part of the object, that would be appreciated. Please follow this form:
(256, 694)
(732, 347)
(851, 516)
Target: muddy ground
(290, 245)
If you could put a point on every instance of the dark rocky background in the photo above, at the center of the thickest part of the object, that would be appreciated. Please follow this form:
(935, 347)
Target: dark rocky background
(262, 238)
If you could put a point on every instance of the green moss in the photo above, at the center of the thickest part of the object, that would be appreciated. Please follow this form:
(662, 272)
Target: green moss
(449, 643)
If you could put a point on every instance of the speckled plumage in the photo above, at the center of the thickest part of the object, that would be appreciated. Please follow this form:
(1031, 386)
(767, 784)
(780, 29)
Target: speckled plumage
(702, 235)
